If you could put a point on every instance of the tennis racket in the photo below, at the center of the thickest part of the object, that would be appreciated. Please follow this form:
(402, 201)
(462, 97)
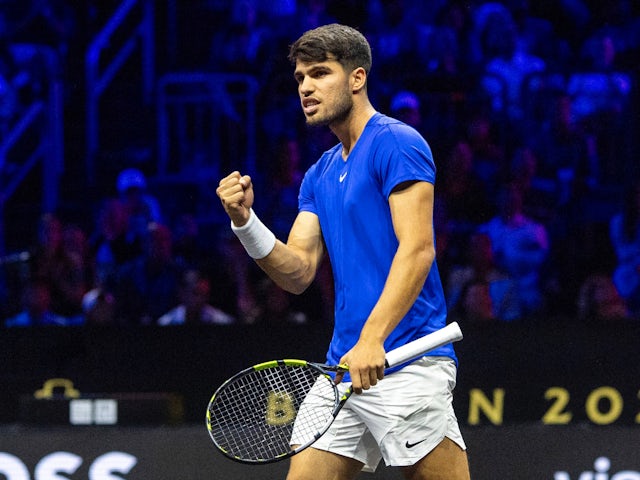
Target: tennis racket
(258, 414)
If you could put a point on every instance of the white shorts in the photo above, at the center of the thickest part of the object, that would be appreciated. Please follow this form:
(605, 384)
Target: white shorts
(400, 420)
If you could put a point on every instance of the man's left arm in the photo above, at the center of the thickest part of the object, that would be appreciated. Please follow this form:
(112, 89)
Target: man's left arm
(411, 205)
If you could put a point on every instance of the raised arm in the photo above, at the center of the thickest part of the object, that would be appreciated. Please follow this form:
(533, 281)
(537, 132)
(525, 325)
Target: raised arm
(293, 265)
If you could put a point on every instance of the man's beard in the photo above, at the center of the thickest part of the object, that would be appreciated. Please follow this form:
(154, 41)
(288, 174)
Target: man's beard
(339, 112)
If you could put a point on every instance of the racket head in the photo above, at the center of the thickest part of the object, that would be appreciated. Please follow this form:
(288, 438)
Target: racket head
(255, 415)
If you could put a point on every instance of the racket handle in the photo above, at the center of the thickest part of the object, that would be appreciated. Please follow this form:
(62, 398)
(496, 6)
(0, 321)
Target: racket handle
(417, 348)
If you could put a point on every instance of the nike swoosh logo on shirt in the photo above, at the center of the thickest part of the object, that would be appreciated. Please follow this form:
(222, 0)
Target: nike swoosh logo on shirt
(342, 175)
(411, 445)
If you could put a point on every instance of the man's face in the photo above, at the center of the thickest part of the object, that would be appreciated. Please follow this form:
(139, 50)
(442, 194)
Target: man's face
(325, 92)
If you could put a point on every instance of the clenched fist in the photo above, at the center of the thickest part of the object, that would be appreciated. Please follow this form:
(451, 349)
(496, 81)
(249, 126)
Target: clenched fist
(236, 194)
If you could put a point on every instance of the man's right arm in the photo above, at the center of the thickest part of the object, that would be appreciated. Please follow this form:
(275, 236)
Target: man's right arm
(293, 265)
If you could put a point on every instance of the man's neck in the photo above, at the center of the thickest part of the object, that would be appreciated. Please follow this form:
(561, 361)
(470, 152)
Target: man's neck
(349, 131)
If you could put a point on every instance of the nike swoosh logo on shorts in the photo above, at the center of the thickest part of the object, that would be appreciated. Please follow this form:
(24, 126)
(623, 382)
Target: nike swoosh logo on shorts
(411, 445)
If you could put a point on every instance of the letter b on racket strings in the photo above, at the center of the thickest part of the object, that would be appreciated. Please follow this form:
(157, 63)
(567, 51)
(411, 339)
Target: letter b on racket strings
(280, 409)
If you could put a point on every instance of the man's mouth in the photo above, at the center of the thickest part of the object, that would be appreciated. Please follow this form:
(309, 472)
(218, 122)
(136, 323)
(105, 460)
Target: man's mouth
(309, 106)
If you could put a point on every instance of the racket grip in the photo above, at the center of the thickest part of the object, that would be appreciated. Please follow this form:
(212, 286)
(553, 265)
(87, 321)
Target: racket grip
(417, 348)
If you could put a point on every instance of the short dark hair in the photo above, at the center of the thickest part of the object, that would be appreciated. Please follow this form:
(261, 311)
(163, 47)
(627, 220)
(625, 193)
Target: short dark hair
(345, 44)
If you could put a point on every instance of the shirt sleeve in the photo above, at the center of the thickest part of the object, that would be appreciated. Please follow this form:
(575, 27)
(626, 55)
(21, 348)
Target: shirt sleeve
(403, 155)
(306, 197)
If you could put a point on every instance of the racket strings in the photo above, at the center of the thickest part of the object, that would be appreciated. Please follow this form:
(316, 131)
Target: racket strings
(259, 415)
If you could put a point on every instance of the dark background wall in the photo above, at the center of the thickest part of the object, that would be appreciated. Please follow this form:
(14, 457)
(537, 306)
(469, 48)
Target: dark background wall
(527, 369)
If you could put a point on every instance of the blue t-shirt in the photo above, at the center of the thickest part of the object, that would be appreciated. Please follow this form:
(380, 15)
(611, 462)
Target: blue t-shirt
(350, 199)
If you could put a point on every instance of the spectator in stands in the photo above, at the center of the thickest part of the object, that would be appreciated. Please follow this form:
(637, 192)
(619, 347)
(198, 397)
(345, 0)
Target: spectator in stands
(61, 268)
(600, 96)
(36, 312)
(620, 21)
(408, 107)
(194, 307)
(571, 20)
(476, 304)
(485, 137)
(536, 34)
(478, 288)
(463, 190)
(520, 246)
(200, 247)
(507, 65)
(444, 45)
(188, 248)
(599, 300)
(565, 150)
(625, 238)
(389, 29)
(110, 248)
(76, 243)
(110, 244)
(142, 208)
(462, 202)
(539, 196)
(147, 287)
(405, 106)
(485, 16)
(276, 305)
(99, 305)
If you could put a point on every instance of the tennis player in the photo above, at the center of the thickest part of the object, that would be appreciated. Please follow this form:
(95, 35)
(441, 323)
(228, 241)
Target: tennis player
(368, 203)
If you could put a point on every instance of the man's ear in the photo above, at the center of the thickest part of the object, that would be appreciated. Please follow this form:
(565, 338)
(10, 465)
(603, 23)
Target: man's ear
(358, 79)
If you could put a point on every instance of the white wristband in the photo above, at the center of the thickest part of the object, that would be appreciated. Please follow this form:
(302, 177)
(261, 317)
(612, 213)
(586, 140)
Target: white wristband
(255, 237)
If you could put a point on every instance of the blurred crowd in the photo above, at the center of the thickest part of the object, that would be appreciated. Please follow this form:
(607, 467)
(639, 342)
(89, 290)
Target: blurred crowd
(530, 108)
